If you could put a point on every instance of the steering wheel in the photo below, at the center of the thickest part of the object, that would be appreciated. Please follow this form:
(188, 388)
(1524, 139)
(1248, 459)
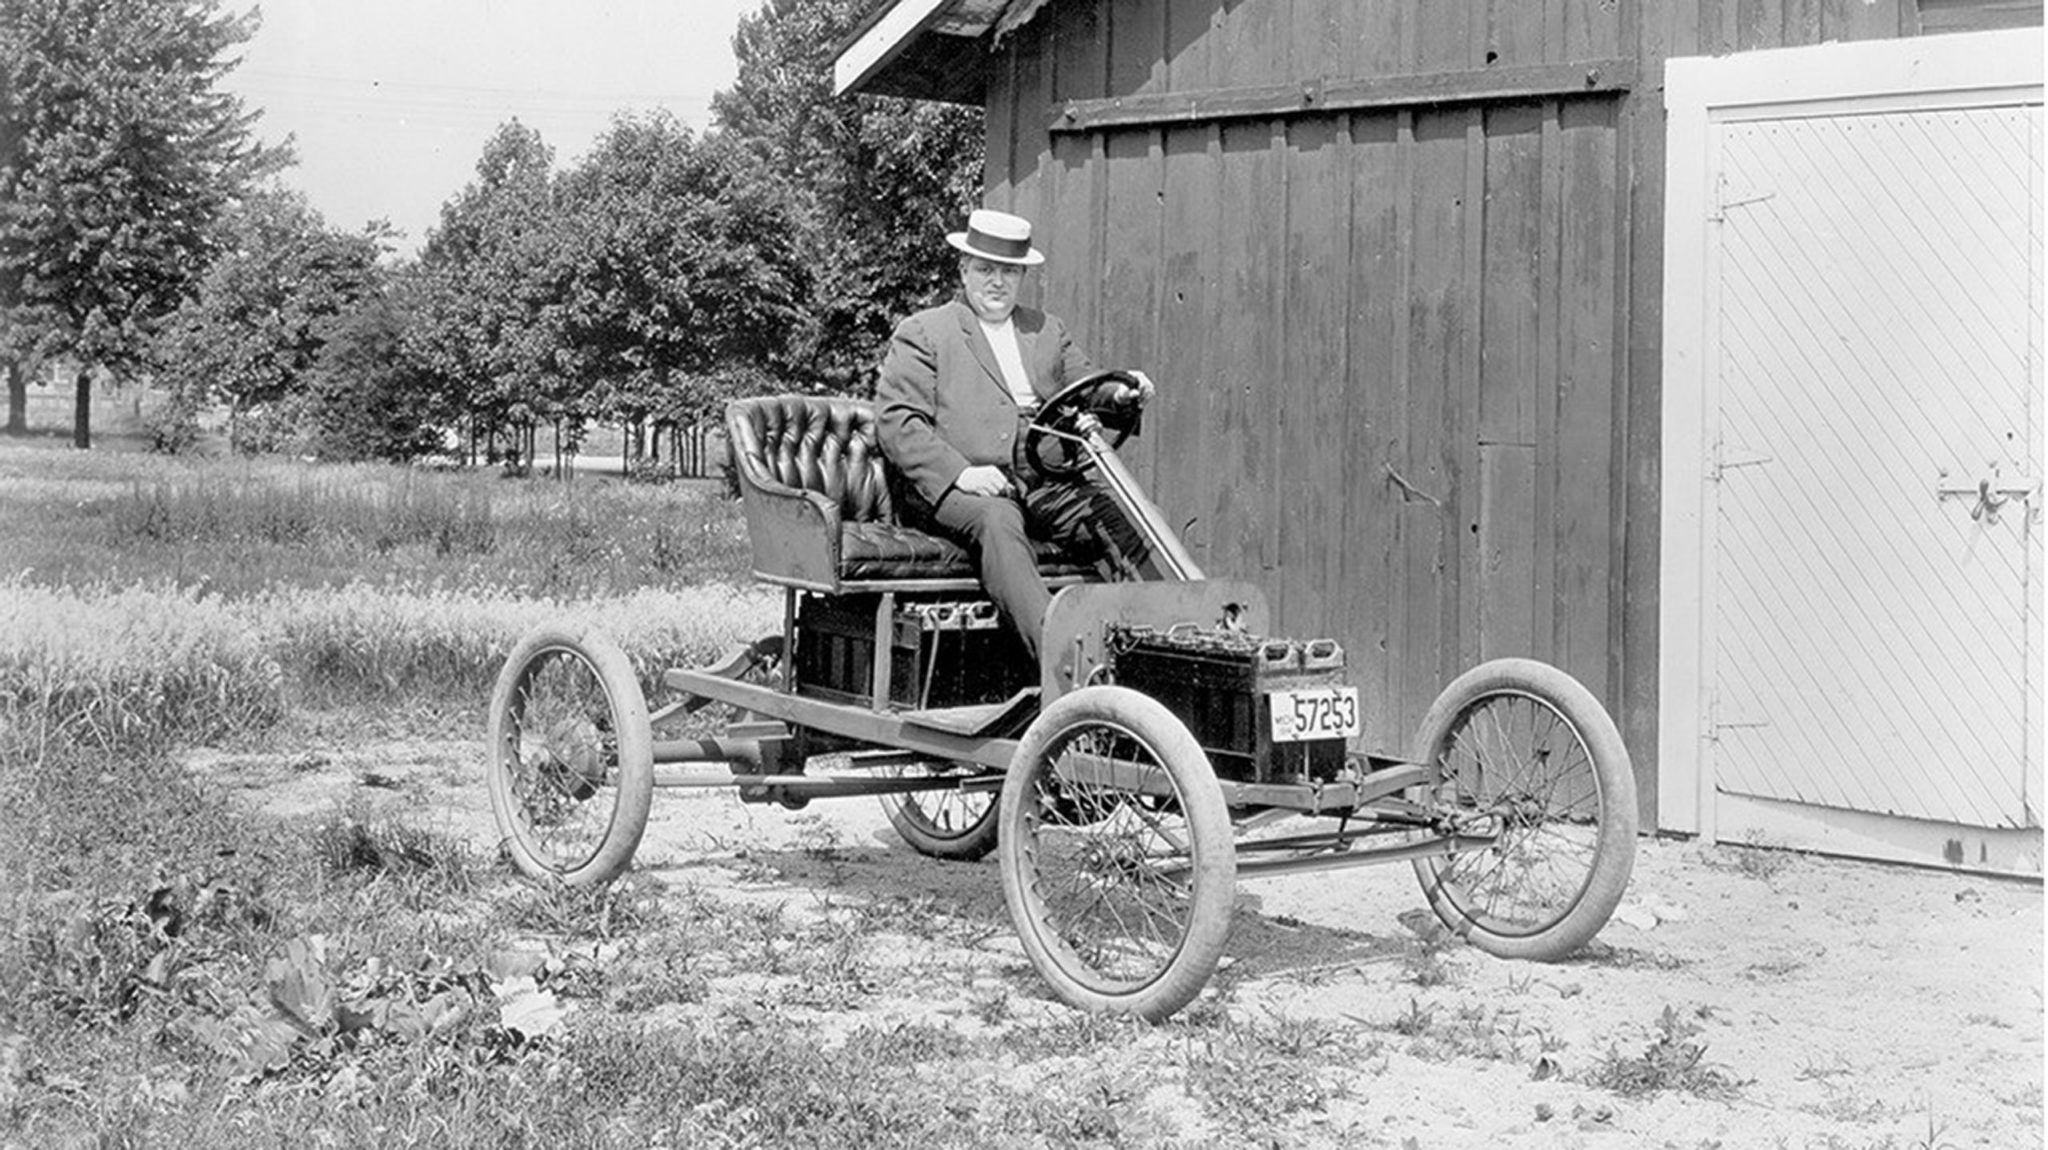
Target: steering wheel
(1053, 425)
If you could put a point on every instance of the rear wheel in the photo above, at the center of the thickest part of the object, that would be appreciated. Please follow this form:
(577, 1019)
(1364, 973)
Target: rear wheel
(956, 825)
(571, 766)
(1118, 864)
(1522, 752)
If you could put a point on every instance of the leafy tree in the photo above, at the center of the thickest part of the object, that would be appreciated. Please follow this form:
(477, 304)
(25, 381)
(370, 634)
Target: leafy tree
(258, 322)
(369, 398)
(491, 302)
(872, 181)
(678, 271)
(118, 152)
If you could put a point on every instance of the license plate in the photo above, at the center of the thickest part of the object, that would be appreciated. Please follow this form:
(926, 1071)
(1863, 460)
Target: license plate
(1303, 713)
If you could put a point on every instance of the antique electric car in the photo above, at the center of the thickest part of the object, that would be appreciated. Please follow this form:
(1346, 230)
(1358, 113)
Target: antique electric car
(1161, 748)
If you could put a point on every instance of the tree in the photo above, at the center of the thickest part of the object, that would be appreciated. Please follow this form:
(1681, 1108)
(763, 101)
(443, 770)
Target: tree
(118, 153)
(677, 272)
(872, 181)
(369, 397)
(491, 297)
(258, 321)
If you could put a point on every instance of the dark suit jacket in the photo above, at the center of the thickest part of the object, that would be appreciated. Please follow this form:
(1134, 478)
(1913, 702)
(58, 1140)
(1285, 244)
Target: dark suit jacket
(943, 403)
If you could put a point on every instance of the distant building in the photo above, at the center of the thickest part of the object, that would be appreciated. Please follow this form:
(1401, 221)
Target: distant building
(117, 405)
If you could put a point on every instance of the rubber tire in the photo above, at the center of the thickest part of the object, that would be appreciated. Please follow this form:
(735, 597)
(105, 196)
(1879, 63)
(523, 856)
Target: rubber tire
(634, 791)
(1614, 780)
(906, 815)
(1213, 866)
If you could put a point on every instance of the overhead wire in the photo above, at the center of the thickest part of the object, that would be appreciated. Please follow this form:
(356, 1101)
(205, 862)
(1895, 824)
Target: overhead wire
(379, 84)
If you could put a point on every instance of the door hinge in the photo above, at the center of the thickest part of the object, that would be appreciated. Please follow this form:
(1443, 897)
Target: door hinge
(1716, 724)
(1722, 203)
(1726, 460)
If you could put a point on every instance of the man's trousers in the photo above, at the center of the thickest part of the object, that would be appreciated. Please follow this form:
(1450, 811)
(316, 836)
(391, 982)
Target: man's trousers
(1077, 514)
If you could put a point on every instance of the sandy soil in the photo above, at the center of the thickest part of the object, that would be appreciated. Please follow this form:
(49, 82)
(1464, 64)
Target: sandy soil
(1843, 1004)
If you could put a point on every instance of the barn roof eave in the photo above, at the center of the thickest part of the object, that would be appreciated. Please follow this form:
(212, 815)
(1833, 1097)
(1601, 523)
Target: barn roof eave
(926, 49)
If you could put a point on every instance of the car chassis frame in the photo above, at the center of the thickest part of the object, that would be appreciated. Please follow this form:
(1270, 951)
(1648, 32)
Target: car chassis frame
(1120, 841)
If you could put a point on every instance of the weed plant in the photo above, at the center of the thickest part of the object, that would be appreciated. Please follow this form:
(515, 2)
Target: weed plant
(120, 885)
(605, 912)
(1256, 1074)
(1425, 961)
(1672, 1061)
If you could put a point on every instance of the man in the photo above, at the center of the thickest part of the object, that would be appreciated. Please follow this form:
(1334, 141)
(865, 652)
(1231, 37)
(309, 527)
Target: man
(958, 387)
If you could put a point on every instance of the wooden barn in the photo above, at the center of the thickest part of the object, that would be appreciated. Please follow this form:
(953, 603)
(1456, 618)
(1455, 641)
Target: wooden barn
(1491, 327)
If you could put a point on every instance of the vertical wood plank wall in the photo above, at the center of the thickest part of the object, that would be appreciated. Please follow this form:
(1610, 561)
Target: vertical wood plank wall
(1411, 354)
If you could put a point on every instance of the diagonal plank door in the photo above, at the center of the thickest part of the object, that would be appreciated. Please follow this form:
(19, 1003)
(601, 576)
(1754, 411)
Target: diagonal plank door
(1868, 638)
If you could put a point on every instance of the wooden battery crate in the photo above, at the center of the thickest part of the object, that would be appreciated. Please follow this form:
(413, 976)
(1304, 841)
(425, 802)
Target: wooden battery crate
(942, 653)
(1222, 685)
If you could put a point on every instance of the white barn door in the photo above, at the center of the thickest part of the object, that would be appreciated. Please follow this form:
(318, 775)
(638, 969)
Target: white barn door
(1855, 491)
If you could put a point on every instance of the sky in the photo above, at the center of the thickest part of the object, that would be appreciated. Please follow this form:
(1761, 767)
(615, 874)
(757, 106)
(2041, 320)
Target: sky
(390, 101)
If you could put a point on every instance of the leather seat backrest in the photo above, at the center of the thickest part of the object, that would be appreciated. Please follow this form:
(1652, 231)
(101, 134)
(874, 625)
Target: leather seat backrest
(815, 443)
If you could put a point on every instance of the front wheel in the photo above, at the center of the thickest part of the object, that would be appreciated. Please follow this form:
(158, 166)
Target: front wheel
(1116, 853)
(1523, 753)
(571, 765)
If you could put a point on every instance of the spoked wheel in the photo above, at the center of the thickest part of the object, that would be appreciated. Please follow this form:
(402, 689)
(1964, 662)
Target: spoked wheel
(954, 825)
(571, 757)
(1526, 754)
(1116, 850)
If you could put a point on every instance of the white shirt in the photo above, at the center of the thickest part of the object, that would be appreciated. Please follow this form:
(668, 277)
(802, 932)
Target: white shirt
(1002, 338)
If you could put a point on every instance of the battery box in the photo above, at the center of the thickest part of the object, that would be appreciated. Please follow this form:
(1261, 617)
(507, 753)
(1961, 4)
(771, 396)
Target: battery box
(942, 653)
(1218, 683)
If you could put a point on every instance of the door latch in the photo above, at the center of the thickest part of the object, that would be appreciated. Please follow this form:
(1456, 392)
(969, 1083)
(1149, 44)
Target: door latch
(1988, 499)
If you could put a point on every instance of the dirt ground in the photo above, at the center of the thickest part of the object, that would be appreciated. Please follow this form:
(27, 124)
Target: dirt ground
(1838, 1004)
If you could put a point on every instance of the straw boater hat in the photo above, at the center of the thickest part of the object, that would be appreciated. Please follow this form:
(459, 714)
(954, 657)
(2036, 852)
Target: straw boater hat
(998, 236)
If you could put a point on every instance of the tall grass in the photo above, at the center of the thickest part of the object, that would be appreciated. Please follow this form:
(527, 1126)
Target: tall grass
(126, 665)
(145, 599)
(242, 527)
(116, 666)
(369, 642)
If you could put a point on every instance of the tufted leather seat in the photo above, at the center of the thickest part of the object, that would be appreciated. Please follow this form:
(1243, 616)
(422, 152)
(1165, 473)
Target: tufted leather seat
(820, 512)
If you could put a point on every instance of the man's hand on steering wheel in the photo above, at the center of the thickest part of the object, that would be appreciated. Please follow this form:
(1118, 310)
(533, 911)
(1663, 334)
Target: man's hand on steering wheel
(1114, 397)
(1126, 394)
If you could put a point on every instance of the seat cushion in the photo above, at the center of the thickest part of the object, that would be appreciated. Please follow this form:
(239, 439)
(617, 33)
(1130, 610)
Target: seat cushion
(797, 454)
(814, 443)
(887, 551)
